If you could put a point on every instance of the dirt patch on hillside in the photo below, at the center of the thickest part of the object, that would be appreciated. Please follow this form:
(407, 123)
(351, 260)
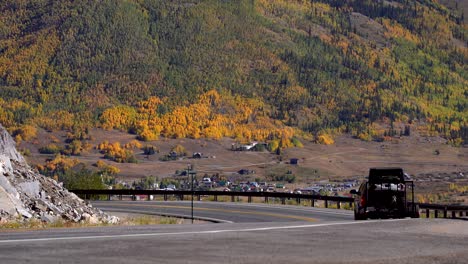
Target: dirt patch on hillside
(368, 28)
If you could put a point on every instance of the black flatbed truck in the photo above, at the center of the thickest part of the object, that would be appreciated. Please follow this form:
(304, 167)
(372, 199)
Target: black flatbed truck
(386, 194)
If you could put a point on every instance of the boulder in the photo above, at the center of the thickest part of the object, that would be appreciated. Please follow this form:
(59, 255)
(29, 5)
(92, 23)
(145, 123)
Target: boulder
(49, 218)
(30, 188)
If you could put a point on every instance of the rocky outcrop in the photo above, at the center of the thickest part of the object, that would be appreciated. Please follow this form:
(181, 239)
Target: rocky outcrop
(25, 194)
(7, 146)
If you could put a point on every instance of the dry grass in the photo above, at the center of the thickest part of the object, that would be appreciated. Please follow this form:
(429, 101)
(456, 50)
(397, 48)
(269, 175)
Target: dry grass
(37, 224)
(135, 220)
(150, 220)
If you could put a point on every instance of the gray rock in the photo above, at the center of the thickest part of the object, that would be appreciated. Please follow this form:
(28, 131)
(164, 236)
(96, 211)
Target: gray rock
(94, 220)
(113, 220)
(30, 188)
(85, 217)
(8, 146)
(5, 165)
(25, 192)
(48, 218)
(24, 213)
(40, 206)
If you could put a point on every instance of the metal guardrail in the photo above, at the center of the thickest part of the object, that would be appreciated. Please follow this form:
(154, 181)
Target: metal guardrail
(338, 200)
(446, 211)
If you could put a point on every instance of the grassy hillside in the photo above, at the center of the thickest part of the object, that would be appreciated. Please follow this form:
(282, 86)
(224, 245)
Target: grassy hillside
(250, 69)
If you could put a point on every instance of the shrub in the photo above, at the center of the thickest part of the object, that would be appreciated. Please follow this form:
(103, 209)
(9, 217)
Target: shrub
(148, 135)
(50, 149)
(295, 141)
(116, 153)
(83, 179)
(133, 144)
(25, 132)
(325, 139)
(150, 150)
(290, 178)
(180, 150)
(273, 145)
(100, 164)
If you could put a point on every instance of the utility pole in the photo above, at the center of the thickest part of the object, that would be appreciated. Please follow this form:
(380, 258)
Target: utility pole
(191, 173)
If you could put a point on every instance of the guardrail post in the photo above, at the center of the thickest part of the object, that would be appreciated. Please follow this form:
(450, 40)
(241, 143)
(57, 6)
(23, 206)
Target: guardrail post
(199, 197)
(266, 199)
(232, 198)
(427, 213)
(338, 205)
(108, 197)
(249, 199)
(216, 198)
(436, 213)
(298, 201)
(181, 197)
(454, 214)
(445, 212)
(165, 197)
(283, 200)
(461, 213)
(326, 203)
(120, 197)
(312, 203)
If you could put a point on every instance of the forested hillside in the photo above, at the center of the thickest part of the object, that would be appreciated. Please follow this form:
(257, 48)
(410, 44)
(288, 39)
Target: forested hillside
(250, 69)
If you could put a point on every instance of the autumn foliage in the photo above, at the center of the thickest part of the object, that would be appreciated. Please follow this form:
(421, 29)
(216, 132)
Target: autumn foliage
(115, 152)
(251, 70)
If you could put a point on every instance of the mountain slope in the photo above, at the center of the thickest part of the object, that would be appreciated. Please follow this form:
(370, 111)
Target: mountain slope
(314, 65)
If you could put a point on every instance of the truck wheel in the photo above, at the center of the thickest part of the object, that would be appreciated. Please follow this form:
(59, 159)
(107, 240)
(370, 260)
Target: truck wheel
(358, 216)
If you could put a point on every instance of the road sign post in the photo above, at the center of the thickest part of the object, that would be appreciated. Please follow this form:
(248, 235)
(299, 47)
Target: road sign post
(191, 173)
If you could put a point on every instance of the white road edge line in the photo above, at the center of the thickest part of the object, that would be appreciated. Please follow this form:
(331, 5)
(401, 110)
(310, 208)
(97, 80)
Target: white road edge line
(195, 232)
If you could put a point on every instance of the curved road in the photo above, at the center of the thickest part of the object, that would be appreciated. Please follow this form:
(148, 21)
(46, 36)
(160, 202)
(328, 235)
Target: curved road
(281, 234)
(228, 212)
(415, 241)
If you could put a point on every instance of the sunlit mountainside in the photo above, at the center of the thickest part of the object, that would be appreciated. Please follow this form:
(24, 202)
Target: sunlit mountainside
(267, 70)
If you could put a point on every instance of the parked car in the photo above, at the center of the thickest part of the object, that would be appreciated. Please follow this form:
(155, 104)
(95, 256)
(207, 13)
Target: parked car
(279, 186)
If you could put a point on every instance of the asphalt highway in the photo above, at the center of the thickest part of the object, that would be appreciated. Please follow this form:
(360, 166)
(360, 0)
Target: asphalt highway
(228, 212)
(415, 241)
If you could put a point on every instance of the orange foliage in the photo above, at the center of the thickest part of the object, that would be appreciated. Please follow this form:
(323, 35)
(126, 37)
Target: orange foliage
(214, 115)
(28, 57)
(60, 120)
(325, 139)
(59, 163)
(395, 30)
(26, 132)
(118, 117)
(114, 151)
